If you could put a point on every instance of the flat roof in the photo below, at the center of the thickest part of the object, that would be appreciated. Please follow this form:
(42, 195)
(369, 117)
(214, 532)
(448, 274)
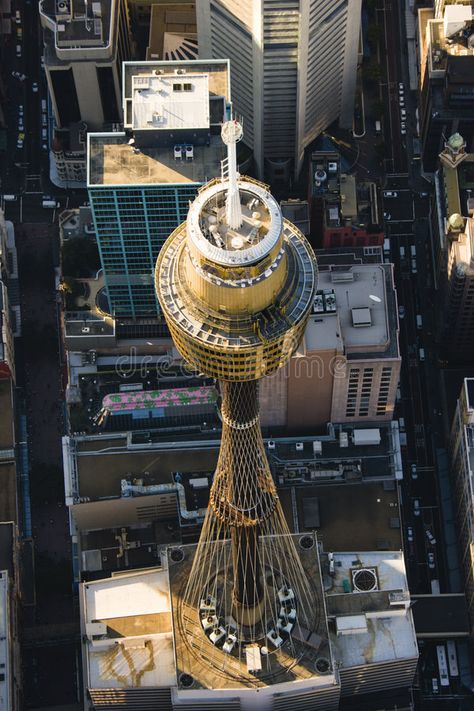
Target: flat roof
(112, 161)
(217, 71)
(366, 510)
(387, 637)
(127, 619)
(113, 468)
(170, 102)
(353, 287)
(82, 26)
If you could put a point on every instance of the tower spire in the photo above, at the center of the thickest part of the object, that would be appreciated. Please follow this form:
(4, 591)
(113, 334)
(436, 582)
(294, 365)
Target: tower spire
(231, 134)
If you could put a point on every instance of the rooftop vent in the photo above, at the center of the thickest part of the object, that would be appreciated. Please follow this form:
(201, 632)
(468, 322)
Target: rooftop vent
(364, 580)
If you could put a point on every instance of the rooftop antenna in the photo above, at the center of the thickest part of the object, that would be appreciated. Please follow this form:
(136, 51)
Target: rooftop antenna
(231, 134)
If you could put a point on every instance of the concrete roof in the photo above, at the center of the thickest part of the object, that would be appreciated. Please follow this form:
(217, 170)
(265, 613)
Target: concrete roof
(112, 161)
(390, 633)
(327, 330)
(136, 647)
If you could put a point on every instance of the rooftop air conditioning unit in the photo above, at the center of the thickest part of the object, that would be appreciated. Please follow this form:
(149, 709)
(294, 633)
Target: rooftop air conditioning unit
(299, 446)
(332, 167)
(271, 444)
(86, 329)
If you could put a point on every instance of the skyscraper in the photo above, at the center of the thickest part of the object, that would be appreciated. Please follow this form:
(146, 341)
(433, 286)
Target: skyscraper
(293, 70)
(446, 76)
(140, 181)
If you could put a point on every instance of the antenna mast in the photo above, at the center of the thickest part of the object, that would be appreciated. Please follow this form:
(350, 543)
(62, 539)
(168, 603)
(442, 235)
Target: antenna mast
(231, 134)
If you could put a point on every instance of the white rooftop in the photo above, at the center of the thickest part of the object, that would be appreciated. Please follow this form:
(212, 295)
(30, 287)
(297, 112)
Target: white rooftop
(389, 634)
(129, 633)
(170, 101)
(359, 322)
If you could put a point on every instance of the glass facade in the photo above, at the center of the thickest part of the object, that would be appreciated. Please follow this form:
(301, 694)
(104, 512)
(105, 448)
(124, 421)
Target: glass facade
(131, 225)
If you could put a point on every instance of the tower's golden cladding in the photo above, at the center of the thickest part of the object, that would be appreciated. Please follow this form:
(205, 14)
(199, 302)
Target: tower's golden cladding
(236, 299)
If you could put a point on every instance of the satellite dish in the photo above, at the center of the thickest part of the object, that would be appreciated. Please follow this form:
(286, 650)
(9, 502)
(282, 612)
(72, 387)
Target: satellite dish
(375, 298)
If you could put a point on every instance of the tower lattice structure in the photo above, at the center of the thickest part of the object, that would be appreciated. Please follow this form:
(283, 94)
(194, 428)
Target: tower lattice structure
(236, 284)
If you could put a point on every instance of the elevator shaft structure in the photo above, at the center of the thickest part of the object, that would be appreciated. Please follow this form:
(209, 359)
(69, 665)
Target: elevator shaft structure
(236, 284)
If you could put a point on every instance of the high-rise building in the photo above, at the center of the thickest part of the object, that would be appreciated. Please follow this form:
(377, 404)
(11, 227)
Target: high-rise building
(293, 70)
(347, 367)
(446, 49)
(141, 181)
(85, 44)
(453, 231)
(462, 473)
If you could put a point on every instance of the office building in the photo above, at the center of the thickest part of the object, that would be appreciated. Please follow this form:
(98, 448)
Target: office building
(365, 647)
(140, 182)
(453, 231)
(347, 367)
(345, 212)
(446, 49)
(293, 69)
(84, 45)
(462, 471)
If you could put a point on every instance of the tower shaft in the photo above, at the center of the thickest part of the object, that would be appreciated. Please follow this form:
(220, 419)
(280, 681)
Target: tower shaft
(250, 496)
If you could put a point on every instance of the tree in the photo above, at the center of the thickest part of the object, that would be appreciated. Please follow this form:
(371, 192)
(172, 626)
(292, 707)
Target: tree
(80, 257)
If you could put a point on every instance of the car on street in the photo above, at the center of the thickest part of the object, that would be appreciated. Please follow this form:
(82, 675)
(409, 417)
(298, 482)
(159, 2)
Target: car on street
(416, 507)
(410, 534)
(19, 33)
(401, 311)
(400, 86)
(403, 131)
(44, 146)
(403, 113)
(21, 125)
(431, 560)
(20, 140)
(34, 86)
(414, 474)
(20, 109)
(18, 17)
(387, 216)
(390, 194)
(18, 50)
(430, 537)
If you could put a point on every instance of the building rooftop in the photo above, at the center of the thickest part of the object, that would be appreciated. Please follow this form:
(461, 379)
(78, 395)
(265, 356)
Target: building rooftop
(217, 71)
(126, 618)
(113, 161)
(78, 24)
(292, 460)
(449, 36)
(369, 602)
(362, 315)
(171, 101)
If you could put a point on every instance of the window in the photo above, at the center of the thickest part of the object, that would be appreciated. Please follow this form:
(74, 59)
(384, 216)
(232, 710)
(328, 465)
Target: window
(177, 87)
(187, 87)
